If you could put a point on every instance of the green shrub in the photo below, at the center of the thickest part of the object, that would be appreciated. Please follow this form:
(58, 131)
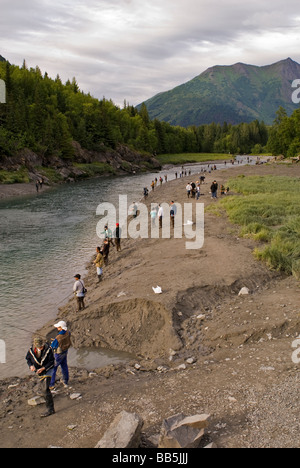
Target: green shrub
(14, 177)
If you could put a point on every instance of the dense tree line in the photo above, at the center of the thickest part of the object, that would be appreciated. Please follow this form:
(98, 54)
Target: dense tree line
(285, 134)
(46, 115)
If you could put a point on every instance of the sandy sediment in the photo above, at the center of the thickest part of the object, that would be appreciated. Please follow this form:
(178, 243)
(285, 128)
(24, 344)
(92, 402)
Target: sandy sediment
(200, 348)
(8, 191)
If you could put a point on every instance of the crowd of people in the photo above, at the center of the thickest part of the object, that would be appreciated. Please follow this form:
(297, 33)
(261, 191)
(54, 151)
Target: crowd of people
(44, 359)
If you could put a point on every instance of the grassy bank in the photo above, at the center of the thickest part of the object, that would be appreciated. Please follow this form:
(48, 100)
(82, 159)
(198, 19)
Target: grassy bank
(14, 177)
(269, 212)
(187, 158)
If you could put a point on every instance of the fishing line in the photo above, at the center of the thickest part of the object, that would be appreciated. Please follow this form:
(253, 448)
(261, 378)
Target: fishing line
(30, 331)
(23, 329)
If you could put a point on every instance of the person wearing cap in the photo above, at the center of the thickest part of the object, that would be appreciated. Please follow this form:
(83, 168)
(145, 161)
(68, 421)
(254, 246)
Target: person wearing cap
(79, 291)
(60, 347)
(40, 360)
(99, 263)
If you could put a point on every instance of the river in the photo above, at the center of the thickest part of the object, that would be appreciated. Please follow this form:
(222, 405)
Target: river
(44, 240)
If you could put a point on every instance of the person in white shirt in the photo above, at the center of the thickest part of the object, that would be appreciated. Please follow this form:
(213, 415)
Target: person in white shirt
(160, 215)
(79, 291)
(188, 190)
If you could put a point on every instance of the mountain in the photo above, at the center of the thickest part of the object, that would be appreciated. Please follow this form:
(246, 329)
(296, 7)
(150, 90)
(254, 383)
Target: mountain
(2, 59)
(232, 94)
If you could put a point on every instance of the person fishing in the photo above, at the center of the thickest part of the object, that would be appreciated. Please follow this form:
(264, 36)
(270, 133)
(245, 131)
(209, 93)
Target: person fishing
(79, 291)
(60, 347)
(40, 360)
(107, 233)
(117, 236)
(173, 212)
(105, 251)
(99, 263)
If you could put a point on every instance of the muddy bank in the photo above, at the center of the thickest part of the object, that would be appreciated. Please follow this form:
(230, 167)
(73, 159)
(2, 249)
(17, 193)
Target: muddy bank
(199, 347)
(18, 190)
(138, 326)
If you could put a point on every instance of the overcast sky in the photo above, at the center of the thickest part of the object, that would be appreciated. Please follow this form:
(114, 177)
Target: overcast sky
(134, 49)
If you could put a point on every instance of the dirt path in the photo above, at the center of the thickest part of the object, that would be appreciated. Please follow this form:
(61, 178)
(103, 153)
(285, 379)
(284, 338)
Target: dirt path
(240, 366)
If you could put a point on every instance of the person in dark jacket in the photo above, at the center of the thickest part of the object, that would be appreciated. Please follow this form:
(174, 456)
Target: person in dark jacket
(117, 235)
(214, 189)
(105, 251)
(40, 360)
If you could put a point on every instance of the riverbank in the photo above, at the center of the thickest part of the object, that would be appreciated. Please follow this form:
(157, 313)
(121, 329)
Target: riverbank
(19, 173)
(89, 165)
(8, 191)
(199, 347)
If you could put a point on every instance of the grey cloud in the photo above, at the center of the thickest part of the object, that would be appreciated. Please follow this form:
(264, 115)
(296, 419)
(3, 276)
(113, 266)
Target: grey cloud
(136, 48)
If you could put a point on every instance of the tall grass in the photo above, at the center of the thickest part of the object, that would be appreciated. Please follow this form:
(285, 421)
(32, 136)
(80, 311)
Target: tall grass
(268, 211)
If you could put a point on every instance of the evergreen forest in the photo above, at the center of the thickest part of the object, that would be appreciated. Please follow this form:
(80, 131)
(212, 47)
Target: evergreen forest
(46, 116)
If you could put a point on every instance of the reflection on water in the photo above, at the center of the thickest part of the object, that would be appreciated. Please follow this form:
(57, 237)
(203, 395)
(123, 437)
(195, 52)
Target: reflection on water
(93, 358)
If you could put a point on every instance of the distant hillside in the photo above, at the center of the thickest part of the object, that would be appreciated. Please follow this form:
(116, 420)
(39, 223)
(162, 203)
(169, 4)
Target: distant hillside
(232, 94)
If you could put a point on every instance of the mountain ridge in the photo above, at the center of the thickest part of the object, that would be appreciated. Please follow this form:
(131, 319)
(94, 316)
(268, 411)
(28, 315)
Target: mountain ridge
(229, 93)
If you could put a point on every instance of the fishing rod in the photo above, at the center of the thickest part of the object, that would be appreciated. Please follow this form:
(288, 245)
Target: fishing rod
(63, 300)
(40, 335)
(23, 329)
(30, 331)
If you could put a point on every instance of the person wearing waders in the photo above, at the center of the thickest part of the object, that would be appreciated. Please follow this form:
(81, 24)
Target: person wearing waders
(40, 360)
(117, 236)
(99, 263)
(60, 347)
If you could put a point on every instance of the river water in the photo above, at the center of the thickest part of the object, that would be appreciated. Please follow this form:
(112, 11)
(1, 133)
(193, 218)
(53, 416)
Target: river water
(44, 240)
